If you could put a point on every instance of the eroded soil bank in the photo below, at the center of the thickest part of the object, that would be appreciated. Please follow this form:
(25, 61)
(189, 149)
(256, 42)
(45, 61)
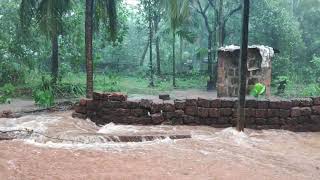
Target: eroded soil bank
(210, 154)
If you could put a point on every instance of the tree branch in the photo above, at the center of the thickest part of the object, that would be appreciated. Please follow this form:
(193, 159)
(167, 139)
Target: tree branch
(203, 13)
(198, 11)
(226, 18)
(212, 4)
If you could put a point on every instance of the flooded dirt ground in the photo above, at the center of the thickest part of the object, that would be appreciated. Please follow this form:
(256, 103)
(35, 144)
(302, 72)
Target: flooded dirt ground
(76, 149)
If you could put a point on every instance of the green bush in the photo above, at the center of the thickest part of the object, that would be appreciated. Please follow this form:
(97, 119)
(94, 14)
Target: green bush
(11, 72)
(112, 84)
(311, 90)
(257, 90)
(64, 70)
(44, 98)
(66, 90)
(44, 95)
(6, 92)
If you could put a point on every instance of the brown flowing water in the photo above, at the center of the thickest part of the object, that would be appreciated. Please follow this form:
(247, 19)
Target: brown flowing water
(67, 148)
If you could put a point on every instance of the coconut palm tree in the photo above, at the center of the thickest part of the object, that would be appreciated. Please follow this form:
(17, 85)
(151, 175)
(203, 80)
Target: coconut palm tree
(88, 46)
(178, 14)
(48, 15)
(97, 11)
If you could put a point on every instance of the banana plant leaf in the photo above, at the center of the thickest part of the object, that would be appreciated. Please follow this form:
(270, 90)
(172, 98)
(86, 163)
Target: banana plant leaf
(258, 90)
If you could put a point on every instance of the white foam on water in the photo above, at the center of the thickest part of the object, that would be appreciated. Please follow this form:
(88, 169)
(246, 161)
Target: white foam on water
(114, 146)
(233, 134)
(230, 135)
(113, 128)
(204, 152)
(38, 123)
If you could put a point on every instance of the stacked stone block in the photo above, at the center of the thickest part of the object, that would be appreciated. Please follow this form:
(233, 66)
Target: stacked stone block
(295, 115)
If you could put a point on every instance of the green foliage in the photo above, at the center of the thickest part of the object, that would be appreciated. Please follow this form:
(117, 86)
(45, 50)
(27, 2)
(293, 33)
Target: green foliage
(67, 90)
(44, 95)
(44, 98)
(11, 72)
(311, 90)
(316, 68)
(48, 13)
(6, 92)
(111, 83)
(290, 26)
(257, 90)
(280, 79)
(65, 70)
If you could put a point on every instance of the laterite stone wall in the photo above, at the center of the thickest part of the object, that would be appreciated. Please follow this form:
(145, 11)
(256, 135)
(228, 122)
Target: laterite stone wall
(295, 115)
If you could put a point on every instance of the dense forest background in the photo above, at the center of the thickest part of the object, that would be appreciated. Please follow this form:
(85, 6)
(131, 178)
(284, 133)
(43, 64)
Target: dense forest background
(123, 63)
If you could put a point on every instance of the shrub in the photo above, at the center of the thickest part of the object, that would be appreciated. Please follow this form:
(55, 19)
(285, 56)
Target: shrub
(43, 95)
(11, 72)
(258, 90)
(113, 83)
(6, 92)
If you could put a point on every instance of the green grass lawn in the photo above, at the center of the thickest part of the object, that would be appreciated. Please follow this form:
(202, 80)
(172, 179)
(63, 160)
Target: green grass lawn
(123, 83)
(140, 85)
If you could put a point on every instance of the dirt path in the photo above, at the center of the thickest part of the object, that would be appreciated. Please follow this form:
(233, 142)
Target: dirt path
(20, 105)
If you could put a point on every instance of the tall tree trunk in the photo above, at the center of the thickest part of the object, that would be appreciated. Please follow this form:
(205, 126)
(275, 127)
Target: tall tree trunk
(243, 65)
(158, 56)
(210, 84)
(174, 60)
(150, 46)
(220, 24)
(216, 36)
(145, 50)
(156, 28)
(89, 49)
(180, 54)
(55, 58)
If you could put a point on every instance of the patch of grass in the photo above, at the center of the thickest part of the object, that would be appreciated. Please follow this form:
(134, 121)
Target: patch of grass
(295, 88)
(73, 84)
(122, 83)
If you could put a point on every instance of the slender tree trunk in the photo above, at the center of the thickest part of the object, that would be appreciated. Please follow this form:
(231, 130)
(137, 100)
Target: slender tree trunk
(145, 50)
(220, 24)
(223, 33)
(180, 54)
(156, 28)
(243, 65)
(216, 45)
(150, 45)
(158, 56)
(89, 49)
(174, 60)
(210, 84)
(55, 58)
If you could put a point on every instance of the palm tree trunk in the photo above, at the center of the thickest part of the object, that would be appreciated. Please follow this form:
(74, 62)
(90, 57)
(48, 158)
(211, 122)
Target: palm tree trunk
(55, 58)
(89, 49)
(243, 65)
(174, 60)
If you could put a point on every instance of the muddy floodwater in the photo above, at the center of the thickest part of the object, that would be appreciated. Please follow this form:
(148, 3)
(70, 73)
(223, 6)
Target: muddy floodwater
(61, 147)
